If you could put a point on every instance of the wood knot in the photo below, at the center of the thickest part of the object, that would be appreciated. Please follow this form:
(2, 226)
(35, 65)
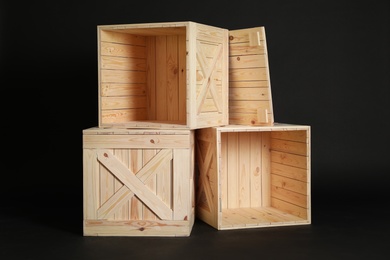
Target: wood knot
(253, 122)
(105, 155)
(238, 58)
(152, 141)
(141, 229)
(231, 37)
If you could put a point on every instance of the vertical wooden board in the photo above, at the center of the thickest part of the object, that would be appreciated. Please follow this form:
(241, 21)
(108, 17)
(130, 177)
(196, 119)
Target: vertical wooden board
(255, 177)
(151, 76)
(164, 183)
(148, 154)
(123, 156)
(244, 169)
(181, 189)
(107, 181)
(172, 102)
(266, 169)
(161, 78)
(90, 184)
(182, 72)
(232, 174)
(191, 75)
(224, 170)
(136, 163)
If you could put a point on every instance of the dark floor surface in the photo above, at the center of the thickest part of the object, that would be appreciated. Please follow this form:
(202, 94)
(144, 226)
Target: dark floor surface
(338, 231)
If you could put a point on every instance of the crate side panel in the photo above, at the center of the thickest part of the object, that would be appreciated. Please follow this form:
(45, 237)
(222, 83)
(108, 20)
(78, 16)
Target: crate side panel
(249, 78)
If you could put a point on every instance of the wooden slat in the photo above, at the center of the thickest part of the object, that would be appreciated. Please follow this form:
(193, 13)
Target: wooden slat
(122, 76)
(249, 94)
(121, 37)
(109, 103)
(122, 63)
(161, 78)
(289, 196)
(289, 171)
(249, 84)
(181, 188)
(117, 90)
(243, 49)
(289, 146)
(256, 174)
(164, 184)
(134, 184)
(249, 107)
(243, 151)
(224, 170)
(122, 50)
(289, 159)
(123, 212)
(150, 182)
(135, 165)
(298, 136)
(248, 74)
(290, 208)
(90, 184)
(182, 73)
(163, 228)
(233, 192)
(154, 165)
(265, 169)
(136, 141)
(151, 77)
(172, 65)
(289, 184)
(123, 115)
(243, 35)
(250, 61)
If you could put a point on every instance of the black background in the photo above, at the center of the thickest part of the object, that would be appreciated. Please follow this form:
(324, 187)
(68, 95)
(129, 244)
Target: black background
(329, 68)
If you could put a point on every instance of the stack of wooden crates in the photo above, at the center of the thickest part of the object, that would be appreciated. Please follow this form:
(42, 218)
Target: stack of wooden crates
(186, 129)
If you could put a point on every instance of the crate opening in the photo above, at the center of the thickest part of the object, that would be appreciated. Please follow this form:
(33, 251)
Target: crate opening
(264, 178)
(142, 75)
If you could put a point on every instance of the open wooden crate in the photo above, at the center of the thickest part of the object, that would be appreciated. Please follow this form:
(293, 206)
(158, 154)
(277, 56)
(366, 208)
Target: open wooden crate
(138, 182)
(163, 75)
(250, 177)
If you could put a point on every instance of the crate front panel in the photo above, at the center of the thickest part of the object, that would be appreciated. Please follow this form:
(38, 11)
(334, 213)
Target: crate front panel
(250, 99)
(253, 177)
(138, 192)
(171, 74)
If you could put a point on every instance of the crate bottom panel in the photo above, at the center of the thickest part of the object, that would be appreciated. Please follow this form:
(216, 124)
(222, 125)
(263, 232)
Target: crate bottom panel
(138, 228)
(258, 217)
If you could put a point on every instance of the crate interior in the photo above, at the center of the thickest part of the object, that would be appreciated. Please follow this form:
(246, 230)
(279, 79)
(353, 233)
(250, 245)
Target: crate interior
(264, 178)
(142, 75)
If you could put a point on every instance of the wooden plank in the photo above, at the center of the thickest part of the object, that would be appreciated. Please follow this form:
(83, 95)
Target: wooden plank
(248, 107)
(297, 136)
(123, 102)
(172, 78)
(247, 61)
(243, 35)
(181, 188)
(122, 115)
(137, 228)
(224, 170)
(161, 78)
(134, 184)
(233, 194)
(289, 208)
(90, 184)
(265, 169)
(289, 171)
(291, 147)
(123, 211)
(249, 84)
(150, 182)
(151, 76)
(245, 74)
(107, 181)
(120, 37)
(122, 50)
(255, 168)
(243, 49)
(246, 119)
(136, 163)
(244, 150)
(164, 185)
(289, 159)
(182, 73)
(249, 94)
(117, 90)
(289, 184)
(154, 165)
(289, 196)
(122, 63)
(122, 76)
(137, 141)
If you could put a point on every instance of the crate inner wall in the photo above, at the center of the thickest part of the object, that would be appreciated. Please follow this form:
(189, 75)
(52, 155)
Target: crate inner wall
(143, 75)
(253, 176)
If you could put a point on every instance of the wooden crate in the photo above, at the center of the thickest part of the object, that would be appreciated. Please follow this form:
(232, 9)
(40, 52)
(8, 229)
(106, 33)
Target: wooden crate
(250, 177)
(138, 182)
(162, 75)
(250, 99)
